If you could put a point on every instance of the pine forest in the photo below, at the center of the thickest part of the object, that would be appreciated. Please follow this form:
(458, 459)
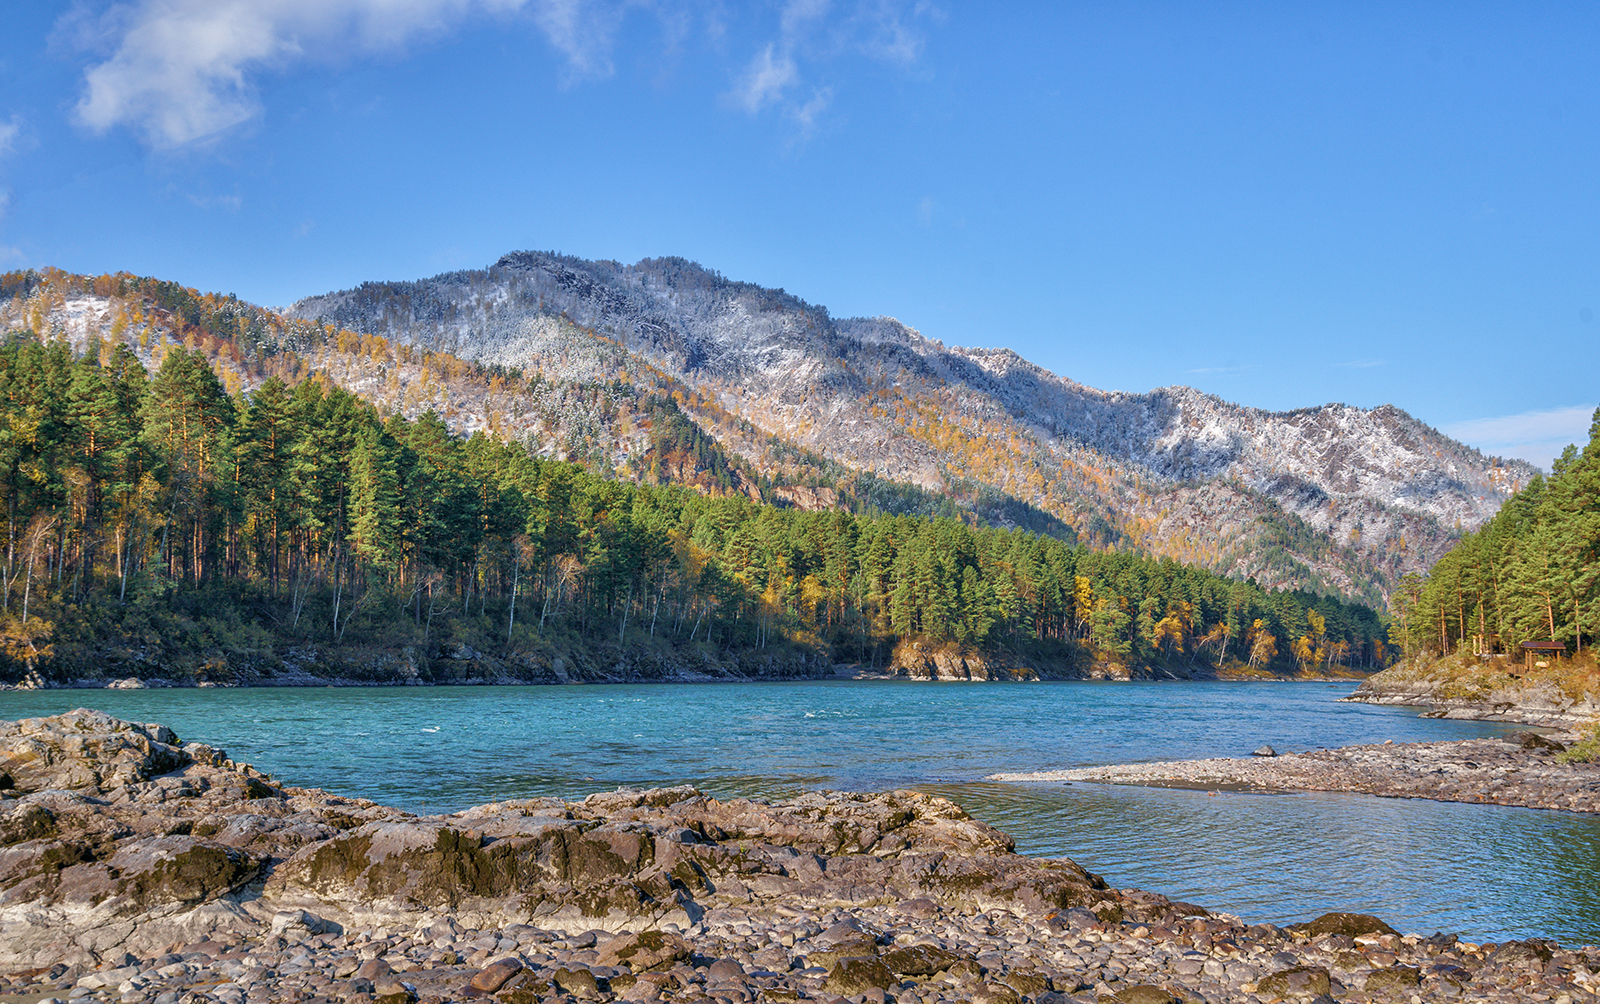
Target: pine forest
(203, 504)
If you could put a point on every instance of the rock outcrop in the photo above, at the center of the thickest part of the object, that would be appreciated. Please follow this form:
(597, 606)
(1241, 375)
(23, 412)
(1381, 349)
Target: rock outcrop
(117, 836)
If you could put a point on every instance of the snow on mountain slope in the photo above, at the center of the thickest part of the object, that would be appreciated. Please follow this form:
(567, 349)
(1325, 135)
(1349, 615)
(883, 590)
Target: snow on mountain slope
(1333, 496)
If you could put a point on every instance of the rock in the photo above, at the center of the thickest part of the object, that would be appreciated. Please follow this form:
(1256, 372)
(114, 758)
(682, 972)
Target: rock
(1541, 743)
(919, 960)
(372, 969)
(82, 749)
(1025, 983)
(1394, 979)
(920, 908)
(493, 977)
(1352, 925)
(1264, 751)
(389, 986)
(994, 993)
(1144, 993)
(645, 952)
(1297, 981)
(858, 975)
(297, 925)
(1533, 953)
(577, 982)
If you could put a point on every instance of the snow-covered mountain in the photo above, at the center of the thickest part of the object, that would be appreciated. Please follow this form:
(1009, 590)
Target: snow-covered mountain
(1336, 496)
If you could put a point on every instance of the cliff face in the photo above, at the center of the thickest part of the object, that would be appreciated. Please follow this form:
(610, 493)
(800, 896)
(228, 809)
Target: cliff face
(1336, 496)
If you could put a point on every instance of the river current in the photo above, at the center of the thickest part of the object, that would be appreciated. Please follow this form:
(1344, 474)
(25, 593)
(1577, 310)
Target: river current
(1486, 872)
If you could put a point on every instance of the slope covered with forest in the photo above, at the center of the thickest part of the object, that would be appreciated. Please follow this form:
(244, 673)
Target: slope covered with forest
(200, 488)
(1330, 499)
(1532, 573)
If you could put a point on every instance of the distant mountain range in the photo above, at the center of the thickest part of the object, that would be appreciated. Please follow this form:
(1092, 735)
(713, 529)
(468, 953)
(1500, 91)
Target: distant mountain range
(810, 410)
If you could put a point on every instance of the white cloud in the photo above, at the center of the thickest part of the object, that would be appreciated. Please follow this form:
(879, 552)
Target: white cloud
(879, 29)
(764, 82)
(1536, 436)
(181, 71)
(8, 135)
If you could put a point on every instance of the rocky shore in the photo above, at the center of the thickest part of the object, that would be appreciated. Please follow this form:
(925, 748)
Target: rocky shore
(1561, 696)
(138, 868)
(1520, 770)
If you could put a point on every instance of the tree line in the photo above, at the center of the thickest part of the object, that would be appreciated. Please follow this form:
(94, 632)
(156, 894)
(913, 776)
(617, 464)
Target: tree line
(1530, 574)
(314, 517)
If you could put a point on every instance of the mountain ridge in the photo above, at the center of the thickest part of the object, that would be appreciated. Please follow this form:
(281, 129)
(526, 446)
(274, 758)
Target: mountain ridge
(1386, 492)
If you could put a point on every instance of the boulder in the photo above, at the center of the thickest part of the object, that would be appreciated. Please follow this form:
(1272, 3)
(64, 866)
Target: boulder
(1296, 981)
(919, 960)
(849, 977)
(1352, 925)
(493, 977)
(1393, 979)
(645, 952)
(1144, 993)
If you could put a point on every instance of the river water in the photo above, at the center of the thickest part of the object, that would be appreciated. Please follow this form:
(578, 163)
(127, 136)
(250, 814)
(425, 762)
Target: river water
(1486, 872)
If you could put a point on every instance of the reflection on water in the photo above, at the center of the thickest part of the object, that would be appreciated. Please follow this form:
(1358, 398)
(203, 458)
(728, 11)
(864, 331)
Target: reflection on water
(1484, 871)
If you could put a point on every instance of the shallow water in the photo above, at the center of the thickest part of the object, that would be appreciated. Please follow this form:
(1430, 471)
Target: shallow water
(1486, 872)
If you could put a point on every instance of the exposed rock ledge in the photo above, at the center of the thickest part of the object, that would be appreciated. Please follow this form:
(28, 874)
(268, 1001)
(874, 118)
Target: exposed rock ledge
(1500, 771)
(1533, 703)
(137, 868)
(118, 837)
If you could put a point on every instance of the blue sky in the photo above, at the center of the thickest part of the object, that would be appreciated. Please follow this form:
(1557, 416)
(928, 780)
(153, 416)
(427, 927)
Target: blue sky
(1282, 204)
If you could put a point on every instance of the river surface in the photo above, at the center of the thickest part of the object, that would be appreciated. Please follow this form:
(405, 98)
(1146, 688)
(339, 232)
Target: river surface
(1486, 872)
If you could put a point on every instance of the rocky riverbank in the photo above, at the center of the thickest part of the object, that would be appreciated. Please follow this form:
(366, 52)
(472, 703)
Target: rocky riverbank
(1562, 695)
(1518, 771)
(138, 868)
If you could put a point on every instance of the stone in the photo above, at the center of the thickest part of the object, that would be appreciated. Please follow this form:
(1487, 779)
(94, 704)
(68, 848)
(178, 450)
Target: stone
(853, 976)
(723, 970)
(994, 993)
(371, 969)
(493, 977)
(578, 982)
(1297, 981)
(1394, 979)
(1540, 743)
(1027, 984)
(920, 908)
(1351, 925)
(1264, 751)
(1143, 993)
(647, 951)
(919, 960)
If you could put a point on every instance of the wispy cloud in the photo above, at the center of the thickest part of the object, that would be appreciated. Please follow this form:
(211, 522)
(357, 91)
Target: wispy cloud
(884, 30)
(1535, 436)
(765, 80)
(8, 135)
(181, 71)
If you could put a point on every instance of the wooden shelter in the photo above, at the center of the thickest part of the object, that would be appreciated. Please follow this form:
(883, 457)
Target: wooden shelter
(1545, 648)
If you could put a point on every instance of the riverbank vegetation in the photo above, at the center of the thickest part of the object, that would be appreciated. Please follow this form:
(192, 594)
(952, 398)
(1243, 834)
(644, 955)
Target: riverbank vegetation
(1531, 574)
(156, 520)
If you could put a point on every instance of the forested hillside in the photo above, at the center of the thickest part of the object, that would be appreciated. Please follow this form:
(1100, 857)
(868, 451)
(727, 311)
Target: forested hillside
(1333, 498)
(192, 490)
(1531, 574)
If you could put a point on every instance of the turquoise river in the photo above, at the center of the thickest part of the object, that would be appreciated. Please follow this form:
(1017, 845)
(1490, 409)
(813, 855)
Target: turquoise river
(1485, 872)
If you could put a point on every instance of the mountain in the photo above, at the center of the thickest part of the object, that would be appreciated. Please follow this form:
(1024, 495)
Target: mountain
(1331, 498)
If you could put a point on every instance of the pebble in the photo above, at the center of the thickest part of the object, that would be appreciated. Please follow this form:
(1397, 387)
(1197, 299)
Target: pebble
(994, 957)
(1495, 771)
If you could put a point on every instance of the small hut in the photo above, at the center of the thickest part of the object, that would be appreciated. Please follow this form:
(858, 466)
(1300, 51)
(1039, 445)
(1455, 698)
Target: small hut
(1544, 648)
